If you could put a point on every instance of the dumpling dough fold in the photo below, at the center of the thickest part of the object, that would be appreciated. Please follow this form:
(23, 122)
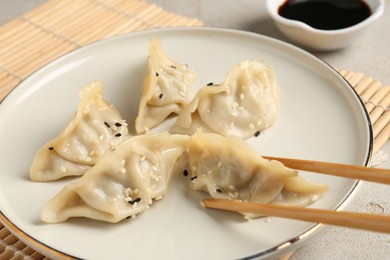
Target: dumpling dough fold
(166, 90)
(245, 103)
(96, 128)
(123, 183)
(229, 168)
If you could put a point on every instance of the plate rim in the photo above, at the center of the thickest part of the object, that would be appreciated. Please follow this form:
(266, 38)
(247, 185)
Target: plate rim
(289, 243)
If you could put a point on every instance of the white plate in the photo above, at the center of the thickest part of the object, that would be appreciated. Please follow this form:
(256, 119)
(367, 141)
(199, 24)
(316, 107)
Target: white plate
(321, 118)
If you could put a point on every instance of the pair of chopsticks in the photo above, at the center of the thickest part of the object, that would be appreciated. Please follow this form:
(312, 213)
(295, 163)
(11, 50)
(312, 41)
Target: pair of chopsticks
(378, 223)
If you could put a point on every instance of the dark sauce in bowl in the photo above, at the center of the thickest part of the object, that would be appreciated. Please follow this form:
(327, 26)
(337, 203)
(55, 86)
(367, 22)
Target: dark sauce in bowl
(326, 14)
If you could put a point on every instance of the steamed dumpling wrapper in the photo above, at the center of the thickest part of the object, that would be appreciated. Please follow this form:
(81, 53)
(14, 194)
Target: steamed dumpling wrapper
(245, 103)
(166, 90)
(124, 181)
(229, 168)
(96, 128)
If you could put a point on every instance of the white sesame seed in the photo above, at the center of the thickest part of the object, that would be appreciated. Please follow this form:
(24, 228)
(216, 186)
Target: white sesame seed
(142, 158)
(248, 218)
(242, 96)
(159, 197)
(219, 164)
(251, 126)
(101, 137)
(63, 169)
(231, 187)
(133, 216)
(128, 191)
(155, 177)
(123, 170)
(146, 129)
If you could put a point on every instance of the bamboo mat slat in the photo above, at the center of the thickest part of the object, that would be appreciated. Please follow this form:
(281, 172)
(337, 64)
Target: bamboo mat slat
(376, 98)
(59, 26)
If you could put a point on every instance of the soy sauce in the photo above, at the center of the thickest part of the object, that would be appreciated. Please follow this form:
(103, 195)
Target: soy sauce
(326, 14)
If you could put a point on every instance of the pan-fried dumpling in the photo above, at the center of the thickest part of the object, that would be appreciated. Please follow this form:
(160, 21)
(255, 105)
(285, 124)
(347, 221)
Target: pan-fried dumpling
(166, 89)
(94, 130)
(124, 181)
(228, 168)
(245, 103)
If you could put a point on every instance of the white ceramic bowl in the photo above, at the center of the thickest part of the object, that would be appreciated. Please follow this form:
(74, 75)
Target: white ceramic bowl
(324, 40)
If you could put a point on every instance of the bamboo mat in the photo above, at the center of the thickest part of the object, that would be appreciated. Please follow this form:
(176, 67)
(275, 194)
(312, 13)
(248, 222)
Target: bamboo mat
(376, 98)
(59, 26)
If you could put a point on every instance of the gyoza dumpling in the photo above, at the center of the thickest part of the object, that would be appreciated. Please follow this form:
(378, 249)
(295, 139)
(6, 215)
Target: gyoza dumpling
(228, 168)
(94, 130)
(123, 182)
(166, 89)
(245, 103)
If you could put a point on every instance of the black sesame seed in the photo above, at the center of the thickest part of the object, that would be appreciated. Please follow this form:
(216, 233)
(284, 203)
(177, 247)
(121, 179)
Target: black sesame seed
(118, 124)
(51, 148)
(118, 135)
(128, 217)
(157, 74)
(107, 124)
(210, 84)
(173, 67)
(257, 133)
(218, 190)
(193, 178)
(134, 201)
(185, 173)
(161, 96)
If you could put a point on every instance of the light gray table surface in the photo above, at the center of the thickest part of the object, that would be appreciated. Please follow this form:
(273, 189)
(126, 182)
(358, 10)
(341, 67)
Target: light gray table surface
(370, 54)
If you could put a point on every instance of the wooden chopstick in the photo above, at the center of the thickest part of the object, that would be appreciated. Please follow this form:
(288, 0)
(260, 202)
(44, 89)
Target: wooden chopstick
(337, 169)
(378, 223)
